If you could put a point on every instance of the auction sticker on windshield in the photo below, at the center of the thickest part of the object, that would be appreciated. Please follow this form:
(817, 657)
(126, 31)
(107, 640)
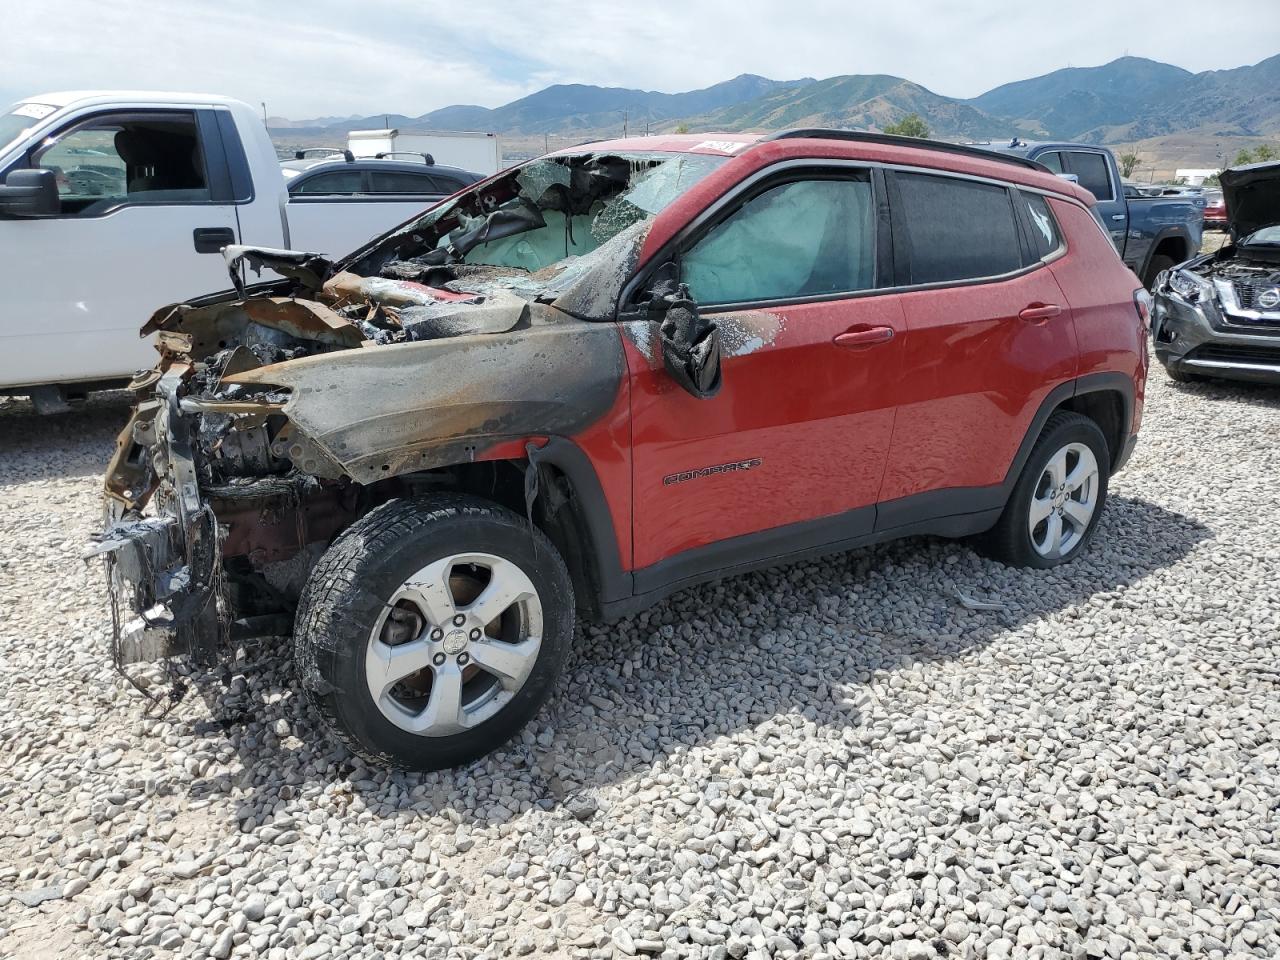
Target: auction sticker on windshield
(36, 111)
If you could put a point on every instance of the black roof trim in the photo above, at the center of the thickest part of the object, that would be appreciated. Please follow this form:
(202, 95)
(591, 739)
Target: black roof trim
(889, 139)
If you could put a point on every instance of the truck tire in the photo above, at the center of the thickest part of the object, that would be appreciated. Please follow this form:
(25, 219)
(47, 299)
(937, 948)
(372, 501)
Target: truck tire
(432, 630)
(1058, 499)
(1157, 265)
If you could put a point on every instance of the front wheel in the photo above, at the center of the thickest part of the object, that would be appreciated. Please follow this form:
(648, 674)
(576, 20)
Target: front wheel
(1180, 376)
(433, 630)
(1058, 498)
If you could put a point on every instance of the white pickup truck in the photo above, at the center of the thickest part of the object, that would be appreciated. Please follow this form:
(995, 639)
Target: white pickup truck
(113, 204)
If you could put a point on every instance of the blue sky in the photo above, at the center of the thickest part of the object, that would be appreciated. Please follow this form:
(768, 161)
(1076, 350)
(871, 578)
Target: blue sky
(397, 56)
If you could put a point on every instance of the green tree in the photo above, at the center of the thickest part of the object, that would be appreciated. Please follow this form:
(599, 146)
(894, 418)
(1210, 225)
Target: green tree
(912, 125)
(681, 128)
(1128, 163)
(1262, 153)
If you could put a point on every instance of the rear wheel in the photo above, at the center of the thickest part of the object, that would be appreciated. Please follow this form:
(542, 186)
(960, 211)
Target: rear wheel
(1159, 263)
(1058, 498)
(431, 631)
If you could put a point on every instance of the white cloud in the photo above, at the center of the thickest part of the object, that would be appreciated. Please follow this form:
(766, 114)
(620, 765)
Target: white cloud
(397, 56)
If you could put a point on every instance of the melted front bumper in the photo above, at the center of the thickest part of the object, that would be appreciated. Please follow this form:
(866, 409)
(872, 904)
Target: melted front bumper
(163, 570)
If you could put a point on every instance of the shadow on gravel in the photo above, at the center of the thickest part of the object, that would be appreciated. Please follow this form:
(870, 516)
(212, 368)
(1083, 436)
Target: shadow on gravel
(1252, 394)
(74, 444)
(711, 662)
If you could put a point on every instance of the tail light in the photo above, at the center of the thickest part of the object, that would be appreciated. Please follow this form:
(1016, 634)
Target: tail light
(1142, 302)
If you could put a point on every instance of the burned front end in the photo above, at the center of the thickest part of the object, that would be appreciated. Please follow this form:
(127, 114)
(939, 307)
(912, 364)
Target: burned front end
(209, 485)
(278, 414)
(1218, 315)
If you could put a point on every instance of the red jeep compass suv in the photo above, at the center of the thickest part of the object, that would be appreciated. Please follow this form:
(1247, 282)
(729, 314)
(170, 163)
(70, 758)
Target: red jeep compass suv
(603, 376)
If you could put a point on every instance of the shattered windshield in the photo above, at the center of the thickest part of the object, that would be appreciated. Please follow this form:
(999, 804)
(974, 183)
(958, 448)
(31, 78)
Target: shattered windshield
(1267, 236)
(534, 228)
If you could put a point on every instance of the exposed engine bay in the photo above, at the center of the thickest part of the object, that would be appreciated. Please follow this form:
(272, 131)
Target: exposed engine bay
(1218, 315)
(282, 411)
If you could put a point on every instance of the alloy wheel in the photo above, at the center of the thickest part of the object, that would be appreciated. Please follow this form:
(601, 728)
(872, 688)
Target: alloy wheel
(1064, 501)
(457, 641)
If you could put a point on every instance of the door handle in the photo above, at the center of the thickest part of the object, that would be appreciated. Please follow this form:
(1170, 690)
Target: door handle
(1117, 216)
(863, 337)
(1039, 311)
(212, 239)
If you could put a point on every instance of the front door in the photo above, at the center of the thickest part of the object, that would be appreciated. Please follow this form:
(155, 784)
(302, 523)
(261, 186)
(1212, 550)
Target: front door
(137, 212)
(791, 451)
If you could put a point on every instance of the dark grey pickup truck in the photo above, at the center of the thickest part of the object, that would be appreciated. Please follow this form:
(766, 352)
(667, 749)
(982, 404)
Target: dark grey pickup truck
(1151, 233)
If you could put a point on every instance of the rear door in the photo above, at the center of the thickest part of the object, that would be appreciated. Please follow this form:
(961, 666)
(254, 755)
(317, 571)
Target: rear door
(1093, 172)
(147, 203)
(792, 448)
(988, 335)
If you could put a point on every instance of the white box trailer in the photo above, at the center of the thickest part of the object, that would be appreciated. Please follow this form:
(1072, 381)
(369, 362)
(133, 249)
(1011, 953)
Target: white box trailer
(478, 152)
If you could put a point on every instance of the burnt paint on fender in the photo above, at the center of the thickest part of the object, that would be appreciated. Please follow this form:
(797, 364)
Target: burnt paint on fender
(386, 410)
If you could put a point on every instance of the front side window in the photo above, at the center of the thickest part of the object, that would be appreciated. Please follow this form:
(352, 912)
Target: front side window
(115, 159)
(1091, 170)
(807, 238)
(337, 182)
(956, 229)
(401, 181)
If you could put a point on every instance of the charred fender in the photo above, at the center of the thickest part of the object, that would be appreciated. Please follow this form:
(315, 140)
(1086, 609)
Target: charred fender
(378, 413)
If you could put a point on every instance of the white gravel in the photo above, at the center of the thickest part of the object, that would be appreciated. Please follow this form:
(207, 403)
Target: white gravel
(835, 759)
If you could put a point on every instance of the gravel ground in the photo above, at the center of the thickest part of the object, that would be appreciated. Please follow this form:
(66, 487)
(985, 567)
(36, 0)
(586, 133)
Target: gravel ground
(833, 759)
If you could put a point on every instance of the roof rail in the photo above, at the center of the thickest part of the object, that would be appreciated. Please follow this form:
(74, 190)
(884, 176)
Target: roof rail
(347, 155)
(426, 158)
(865, 136)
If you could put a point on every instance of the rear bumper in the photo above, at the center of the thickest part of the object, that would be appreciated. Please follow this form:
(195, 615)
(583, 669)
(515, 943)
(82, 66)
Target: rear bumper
(1198, 339)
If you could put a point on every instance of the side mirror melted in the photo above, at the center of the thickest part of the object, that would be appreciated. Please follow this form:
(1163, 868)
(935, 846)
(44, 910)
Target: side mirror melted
(30, 193)
(690, 342)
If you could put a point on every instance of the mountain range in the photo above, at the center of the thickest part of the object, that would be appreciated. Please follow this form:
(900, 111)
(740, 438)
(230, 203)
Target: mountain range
(1124, 100)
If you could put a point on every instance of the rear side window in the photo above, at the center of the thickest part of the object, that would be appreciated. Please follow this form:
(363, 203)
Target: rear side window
(448, 184)
(956, 229)
(1045, 235)
(337, 182)
(806, 238)
(1051, 160)
(1091, 170)
(400, 181)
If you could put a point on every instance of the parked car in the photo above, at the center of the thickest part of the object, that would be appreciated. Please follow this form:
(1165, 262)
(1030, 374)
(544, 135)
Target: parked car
(1215, 210)
(375, 193)
(603, 376)
(1218, 315)
(112, 202)
(1151, 233)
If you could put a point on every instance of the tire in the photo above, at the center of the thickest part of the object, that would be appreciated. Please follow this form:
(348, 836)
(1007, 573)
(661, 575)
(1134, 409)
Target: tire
(361, 616)
(1157, 265)
(1017, 539)
(1181, 376)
